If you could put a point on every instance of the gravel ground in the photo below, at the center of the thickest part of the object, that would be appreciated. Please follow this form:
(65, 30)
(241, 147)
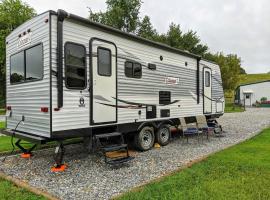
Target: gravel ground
(87, 177)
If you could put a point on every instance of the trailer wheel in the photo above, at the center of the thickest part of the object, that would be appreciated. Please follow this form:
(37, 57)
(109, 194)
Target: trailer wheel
(144, 140)
(163, 135)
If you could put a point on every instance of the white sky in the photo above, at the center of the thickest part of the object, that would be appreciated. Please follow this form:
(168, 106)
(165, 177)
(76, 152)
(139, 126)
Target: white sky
(232, 26)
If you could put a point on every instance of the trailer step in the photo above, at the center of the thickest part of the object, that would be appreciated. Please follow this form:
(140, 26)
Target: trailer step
(119, 160)
(120, 145)
(114, 148)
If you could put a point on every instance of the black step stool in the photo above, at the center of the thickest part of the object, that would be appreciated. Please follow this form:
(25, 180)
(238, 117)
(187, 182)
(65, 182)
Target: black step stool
(113, 147)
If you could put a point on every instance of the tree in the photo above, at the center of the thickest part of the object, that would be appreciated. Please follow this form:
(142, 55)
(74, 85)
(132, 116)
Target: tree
(242, 71)
(230, 67)
(146, 29)
(12, 14)
(188, 41)
(120, 14)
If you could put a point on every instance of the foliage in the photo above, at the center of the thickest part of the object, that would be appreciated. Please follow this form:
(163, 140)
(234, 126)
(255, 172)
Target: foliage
(120, 14)
(146, 29)
(263, 99)
(242, 71)
(240, 172)
(188, 41)
(230, 69)
(12, 14)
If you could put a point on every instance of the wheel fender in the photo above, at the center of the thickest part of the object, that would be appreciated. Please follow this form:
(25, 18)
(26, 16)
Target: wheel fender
(152, 124)
(165, 122)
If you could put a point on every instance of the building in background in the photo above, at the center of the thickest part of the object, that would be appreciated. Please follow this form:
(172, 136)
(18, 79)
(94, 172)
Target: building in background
(249, 94)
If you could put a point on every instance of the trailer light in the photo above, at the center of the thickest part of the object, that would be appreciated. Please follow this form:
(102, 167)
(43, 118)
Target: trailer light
(8, 107)
(46, 20)
(19, 35)
(44, 109)
(24, 33)
(28, 30)
(56, 109)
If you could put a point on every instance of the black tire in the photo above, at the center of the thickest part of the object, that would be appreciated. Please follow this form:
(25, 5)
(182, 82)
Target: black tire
(163, 135)
(144, 139)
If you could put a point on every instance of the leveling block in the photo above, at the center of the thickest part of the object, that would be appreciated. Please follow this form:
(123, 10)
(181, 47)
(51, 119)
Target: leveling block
(59, 168)
(26, 155)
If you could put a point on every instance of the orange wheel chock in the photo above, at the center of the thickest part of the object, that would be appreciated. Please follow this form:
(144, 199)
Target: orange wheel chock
(60, 168)
(26, 155)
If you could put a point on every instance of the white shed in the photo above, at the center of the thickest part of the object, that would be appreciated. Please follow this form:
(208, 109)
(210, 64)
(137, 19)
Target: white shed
(248, 94)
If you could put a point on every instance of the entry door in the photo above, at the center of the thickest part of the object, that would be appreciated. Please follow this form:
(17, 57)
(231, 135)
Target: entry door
(104, 91)
(207, 90)
(247, 99)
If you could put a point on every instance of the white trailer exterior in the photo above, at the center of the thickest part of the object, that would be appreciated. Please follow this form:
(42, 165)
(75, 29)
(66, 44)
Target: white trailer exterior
(70, 77)
(249, 94)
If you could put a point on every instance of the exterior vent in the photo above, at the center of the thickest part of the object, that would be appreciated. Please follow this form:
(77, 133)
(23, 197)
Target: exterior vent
(164, 97)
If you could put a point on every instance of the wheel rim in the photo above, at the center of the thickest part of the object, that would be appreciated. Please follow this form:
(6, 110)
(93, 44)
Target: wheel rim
(164, 135)
(147, 138)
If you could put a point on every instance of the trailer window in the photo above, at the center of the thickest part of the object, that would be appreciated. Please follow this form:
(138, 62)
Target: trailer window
(27, 65)
(207, 79)
(133, 70)
(104, 62)
(33, 61)
(75, 66)
(129, 69)
(17, 68)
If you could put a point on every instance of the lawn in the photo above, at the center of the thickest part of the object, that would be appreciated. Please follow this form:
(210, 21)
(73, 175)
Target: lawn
(251, 78)
(2, 125)
(2, 111)
(9, 191)
(230, 107)
(240, 172)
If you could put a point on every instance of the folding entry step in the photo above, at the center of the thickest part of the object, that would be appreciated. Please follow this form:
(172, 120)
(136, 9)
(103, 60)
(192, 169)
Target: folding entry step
(106, 148)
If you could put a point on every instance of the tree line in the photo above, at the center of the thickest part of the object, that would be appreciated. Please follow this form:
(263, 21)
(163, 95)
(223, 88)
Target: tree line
(123, 15)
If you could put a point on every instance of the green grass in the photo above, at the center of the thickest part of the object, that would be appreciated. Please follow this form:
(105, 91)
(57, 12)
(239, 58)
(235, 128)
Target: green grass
(240, 172)
(2, 125)
(9, 191)
(251, 78)
(2, 111)
(230, 108)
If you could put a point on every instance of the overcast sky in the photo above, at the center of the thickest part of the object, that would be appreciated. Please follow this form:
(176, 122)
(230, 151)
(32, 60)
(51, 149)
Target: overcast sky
(231, 26)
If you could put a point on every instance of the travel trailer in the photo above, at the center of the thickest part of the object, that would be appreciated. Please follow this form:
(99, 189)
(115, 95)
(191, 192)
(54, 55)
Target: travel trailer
(70, 77)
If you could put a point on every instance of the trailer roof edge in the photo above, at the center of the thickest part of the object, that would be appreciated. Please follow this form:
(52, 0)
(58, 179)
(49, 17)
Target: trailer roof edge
(213, 62)
(128, 35)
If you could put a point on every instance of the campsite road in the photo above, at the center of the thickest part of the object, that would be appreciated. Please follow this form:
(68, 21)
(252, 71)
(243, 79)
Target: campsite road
(88, 177)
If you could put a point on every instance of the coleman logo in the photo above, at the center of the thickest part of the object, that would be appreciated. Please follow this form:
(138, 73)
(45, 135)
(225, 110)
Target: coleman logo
(172, 81)
(81, 101)
(24, 40)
